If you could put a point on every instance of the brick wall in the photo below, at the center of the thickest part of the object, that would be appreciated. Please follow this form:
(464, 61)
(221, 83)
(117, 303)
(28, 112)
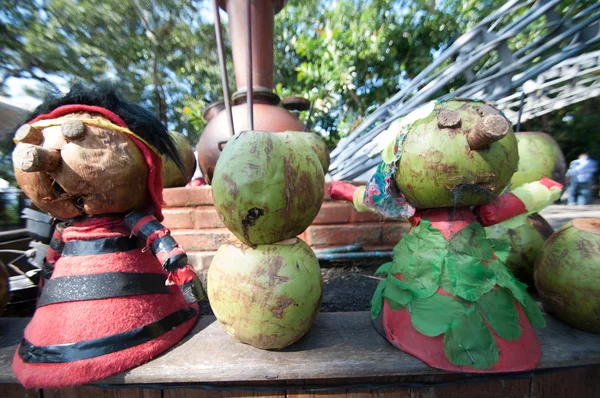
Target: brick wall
(195, 224)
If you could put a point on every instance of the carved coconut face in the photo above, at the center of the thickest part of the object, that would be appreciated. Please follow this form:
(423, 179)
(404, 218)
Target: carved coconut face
(461, 153)
(71, 168)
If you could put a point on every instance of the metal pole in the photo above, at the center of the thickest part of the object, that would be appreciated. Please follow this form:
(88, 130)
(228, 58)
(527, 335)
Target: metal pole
(520, 111)
(223, 66)
(310, 112)
(249, 93)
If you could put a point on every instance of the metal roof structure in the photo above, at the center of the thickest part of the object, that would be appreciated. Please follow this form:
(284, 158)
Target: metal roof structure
(557, 64)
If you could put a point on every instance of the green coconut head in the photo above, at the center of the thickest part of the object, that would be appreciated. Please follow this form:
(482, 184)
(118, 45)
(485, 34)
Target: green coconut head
(445, 163)
(267, 296)
(526, 241)
(567, 274)
(318, 146)
(172, 175)
(267, 187)
(539, 156)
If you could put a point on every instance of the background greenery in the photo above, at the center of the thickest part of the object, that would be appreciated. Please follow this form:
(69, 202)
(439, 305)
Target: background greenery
(348, 56)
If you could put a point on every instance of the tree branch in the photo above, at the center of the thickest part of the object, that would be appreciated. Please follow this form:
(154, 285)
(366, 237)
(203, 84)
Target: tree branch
(144, 22)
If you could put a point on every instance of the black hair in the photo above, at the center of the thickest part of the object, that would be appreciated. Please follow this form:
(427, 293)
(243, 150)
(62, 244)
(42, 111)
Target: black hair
(139, 120)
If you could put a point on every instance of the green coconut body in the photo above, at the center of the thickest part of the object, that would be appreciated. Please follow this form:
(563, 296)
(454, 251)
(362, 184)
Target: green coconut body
(4, 288)
(438, 169)
(539, 156)
(267, 187)
(567, 274)
(267, 296)
(172, 176)
(318, 146)
(526, 241)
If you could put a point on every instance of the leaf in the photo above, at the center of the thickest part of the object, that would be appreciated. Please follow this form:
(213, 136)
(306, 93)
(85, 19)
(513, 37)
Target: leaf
(428, 236)
(501, 250)
(422, 276)
(498, 309)
(397, 296)
(468, 342)
(377, 300)
(384, 269)
(473, 242)
(432, 316)
(533, 312)
(469, 276)
(505, 278)
(445, 280)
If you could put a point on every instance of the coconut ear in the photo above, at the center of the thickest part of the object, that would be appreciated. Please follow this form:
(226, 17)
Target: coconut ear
(489, 129)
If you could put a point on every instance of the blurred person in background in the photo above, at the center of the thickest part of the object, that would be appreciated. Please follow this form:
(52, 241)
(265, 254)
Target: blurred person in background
(581, 172)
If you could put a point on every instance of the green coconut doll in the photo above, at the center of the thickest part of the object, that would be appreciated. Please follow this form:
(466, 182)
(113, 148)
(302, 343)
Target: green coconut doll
(447, 297)
(539, 156)
(266, 287)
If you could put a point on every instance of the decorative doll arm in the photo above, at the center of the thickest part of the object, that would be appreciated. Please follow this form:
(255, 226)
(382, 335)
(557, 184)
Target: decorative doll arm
(526, 199)
(339, 190)
(171, 256)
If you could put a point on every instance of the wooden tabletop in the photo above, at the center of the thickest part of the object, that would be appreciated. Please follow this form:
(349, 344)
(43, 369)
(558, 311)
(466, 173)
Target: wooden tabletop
(339, 345)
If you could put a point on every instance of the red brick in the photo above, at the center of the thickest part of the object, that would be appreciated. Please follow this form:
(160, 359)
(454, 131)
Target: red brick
(393, 231)
(344, 234)
(202, 239)
(178, 218)
(188, 196)
(365, 216)
(207, 217)
(334, 213)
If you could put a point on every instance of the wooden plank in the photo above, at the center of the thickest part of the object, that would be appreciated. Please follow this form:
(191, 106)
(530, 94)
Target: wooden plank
(17, 391)
(201, 393)
(353, 387)
(579, 382)
(340, 345)
(97, 392)
(467, 386)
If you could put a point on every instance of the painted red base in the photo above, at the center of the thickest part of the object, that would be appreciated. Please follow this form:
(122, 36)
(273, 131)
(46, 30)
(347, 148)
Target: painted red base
(71, 322)
(514, 356)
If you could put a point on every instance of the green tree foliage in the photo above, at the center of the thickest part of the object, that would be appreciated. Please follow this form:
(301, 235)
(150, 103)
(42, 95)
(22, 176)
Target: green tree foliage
(162, 52)
(347, 56)
(574, 127)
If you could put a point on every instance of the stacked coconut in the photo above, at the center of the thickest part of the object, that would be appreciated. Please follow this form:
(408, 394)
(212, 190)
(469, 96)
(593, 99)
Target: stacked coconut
(265, 288)
(539, 156)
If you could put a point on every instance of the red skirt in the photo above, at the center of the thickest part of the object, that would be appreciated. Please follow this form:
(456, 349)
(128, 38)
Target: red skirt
(101, 325)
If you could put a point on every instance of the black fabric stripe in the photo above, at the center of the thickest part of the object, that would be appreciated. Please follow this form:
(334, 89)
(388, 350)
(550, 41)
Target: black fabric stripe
(99, 246)
(47, 270)
(132, 218)
(163, 244)
(174, 262)
(99, 286)
(61, 353)
(147, 229)
(56, 245)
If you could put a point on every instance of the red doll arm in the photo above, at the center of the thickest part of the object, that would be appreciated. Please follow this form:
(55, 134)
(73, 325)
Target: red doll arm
(529, 198)
(171, 256)
(339, 190)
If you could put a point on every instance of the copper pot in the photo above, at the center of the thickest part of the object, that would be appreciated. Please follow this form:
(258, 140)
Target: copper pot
(212, 110)
(267, 117)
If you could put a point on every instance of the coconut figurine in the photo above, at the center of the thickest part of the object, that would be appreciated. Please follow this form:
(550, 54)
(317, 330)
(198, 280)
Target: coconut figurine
(539, 156)
(567, 274)
(447, 297)
(120, 290)
(173, 174)
(265, 287)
